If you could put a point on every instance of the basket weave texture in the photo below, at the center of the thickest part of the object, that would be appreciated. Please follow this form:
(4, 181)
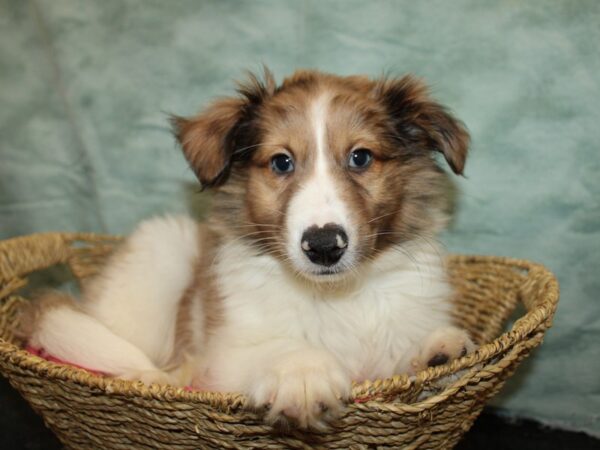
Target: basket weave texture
(89, 411)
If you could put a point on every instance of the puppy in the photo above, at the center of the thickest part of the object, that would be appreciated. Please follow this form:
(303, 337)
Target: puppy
(317, 266)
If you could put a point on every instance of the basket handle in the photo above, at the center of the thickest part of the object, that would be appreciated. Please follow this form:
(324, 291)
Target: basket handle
(539, 294)
(22, 255)
(25, 254)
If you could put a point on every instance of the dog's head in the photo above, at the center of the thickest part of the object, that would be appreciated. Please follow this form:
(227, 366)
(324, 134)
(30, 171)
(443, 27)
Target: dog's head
(325, 172)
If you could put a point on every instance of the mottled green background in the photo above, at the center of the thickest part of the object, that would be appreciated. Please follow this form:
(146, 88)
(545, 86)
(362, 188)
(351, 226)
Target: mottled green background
(84, 145)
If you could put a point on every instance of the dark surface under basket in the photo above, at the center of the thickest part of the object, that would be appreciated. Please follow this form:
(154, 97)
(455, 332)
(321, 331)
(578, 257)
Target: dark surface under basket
(25, 430)
(89, 411)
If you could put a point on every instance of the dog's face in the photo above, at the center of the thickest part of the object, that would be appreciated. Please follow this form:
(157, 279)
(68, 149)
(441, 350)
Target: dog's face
(326, 172)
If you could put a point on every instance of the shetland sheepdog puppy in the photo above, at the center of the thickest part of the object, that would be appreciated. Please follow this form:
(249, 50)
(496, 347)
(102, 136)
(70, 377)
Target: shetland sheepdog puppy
(318, 264)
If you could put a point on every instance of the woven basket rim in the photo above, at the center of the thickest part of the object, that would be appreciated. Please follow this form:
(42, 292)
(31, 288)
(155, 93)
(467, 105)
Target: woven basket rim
(534, 321)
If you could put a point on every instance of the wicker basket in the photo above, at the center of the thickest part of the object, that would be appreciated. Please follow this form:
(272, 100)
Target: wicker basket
(89, 411)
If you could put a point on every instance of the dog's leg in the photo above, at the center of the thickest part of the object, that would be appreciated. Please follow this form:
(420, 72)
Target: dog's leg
(126, 322)
(442, 346)
(297, 385)
(65, 332)
(139, 293)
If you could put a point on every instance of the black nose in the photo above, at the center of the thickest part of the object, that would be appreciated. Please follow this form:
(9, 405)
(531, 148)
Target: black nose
(324, 245)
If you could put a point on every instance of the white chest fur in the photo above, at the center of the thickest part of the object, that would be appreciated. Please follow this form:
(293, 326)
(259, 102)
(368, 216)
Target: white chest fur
(370, 324)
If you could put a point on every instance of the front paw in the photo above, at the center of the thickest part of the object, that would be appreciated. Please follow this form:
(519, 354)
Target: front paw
(305, 389)
(443, 346)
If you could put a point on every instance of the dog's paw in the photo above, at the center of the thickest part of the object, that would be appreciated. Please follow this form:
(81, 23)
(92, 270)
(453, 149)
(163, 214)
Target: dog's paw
(305, 389)
(443, 346)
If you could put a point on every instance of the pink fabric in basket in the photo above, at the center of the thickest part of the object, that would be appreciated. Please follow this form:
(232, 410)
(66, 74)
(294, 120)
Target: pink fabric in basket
(43, 354)
(48, 357)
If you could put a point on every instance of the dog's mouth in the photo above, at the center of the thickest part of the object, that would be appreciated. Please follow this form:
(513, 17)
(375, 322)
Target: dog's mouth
(328, 275)
(327, 272)
(325, 275)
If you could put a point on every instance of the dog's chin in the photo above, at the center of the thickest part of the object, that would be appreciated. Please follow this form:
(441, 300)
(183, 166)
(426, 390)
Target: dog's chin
(320, 275)
(326, 276)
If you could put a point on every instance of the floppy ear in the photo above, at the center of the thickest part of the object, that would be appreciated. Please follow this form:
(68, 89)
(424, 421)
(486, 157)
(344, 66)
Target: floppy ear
(420, 121)
(217, 137)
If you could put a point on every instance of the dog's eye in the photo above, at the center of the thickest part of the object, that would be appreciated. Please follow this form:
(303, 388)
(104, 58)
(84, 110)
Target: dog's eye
(282, 163)
(360, 159)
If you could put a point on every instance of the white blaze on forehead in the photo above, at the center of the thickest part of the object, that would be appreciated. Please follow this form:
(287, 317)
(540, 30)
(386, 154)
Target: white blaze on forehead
(319, 123)
(318, 202)
(321, 196)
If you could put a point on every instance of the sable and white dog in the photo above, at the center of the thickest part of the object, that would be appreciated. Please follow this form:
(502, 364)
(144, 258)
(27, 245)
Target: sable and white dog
(318, 264)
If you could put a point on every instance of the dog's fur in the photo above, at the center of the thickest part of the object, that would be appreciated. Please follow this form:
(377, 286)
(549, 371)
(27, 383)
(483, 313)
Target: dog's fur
(235, 304)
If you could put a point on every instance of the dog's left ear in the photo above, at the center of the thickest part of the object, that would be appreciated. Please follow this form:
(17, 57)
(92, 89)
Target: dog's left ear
(422, 122)
(223, 133)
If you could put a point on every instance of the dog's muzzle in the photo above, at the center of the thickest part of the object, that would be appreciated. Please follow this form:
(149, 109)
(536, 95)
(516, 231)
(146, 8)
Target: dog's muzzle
(324, 245)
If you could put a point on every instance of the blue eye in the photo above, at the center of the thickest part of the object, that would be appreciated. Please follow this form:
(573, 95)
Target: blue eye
(282, 163)
(360, 159)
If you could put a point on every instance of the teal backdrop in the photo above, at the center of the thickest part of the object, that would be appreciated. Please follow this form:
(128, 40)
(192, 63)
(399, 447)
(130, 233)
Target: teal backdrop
(86, 86)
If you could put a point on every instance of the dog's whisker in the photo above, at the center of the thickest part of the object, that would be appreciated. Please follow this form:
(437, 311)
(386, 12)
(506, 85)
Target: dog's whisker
(249, 224)
(275, 211)
(383, 215)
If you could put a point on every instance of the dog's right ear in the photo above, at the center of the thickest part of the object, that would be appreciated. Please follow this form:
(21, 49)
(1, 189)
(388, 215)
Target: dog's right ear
(421, 121)
(214, 139)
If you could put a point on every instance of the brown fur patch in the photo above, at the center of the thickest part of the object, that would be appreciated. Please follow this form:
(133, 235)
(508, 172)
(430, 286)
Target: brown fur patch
(217, 137)
(203, 284)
